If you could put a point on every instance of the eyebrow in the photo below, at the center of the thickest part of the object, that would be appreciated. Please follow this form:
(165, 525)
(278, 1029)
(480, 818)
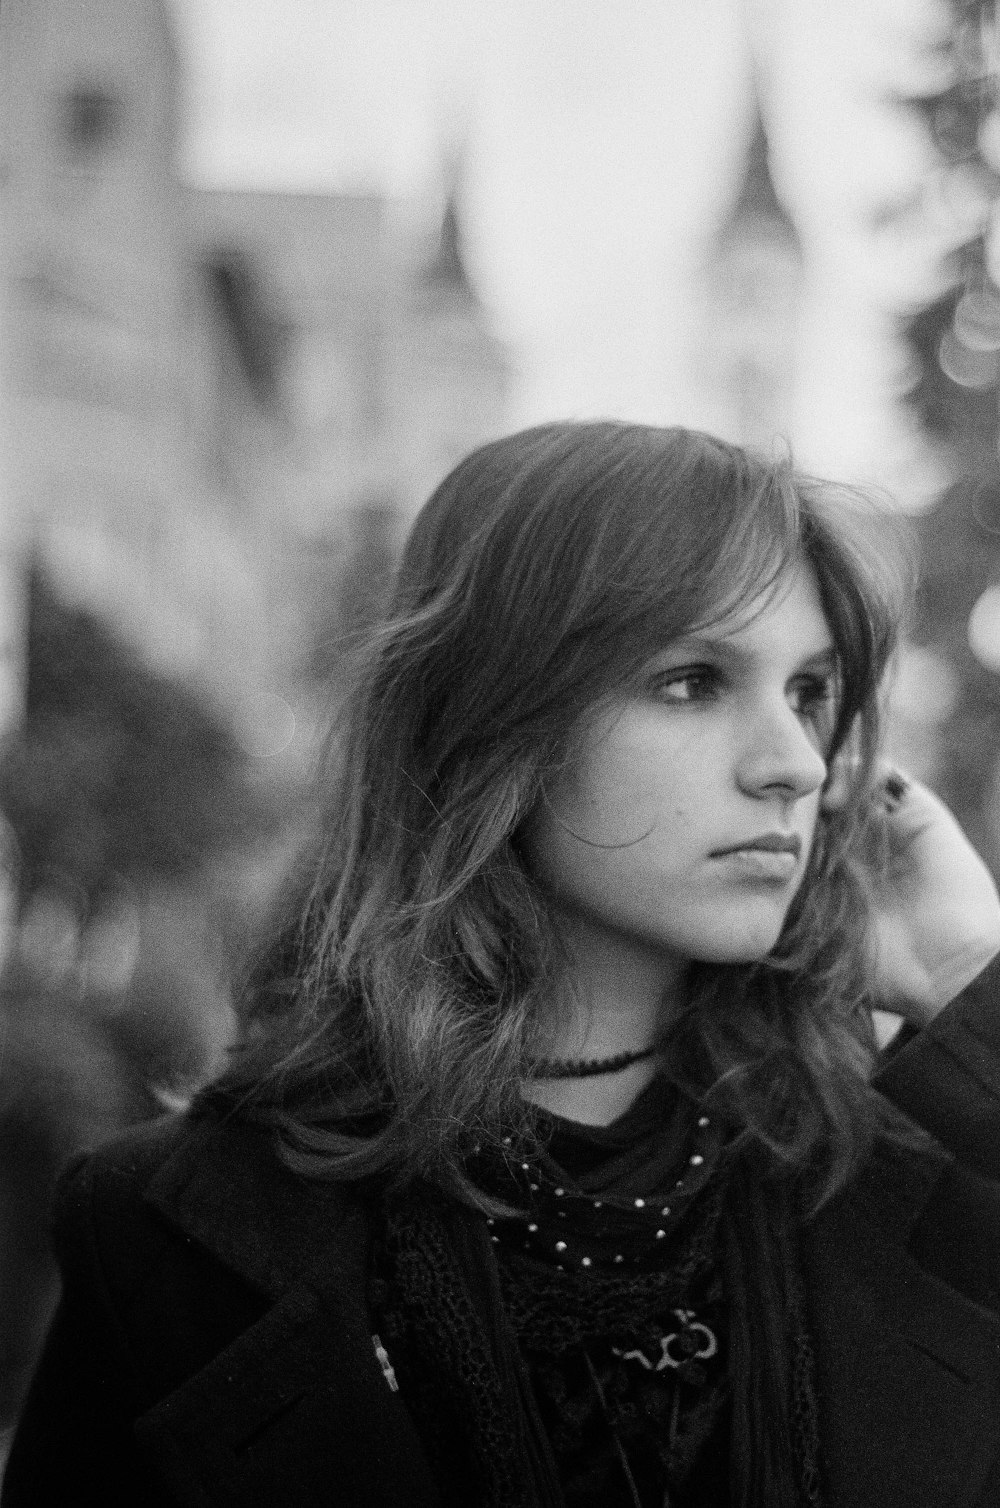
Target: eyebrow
(827, 658)
(823, 659)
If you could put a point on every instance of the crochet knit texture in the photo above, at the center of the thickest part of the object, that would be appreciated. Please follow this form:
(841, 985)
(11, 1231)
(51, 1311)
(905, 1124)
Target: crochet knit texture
(573, 1355)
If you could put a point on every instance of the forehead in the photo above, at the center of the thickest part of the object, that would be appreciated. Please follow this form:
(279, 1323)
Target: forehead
(788, 609)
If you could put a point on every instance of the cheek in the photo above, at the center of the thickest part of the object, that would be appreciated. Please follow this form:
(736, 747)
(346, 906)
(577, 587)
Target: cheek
(812, 827)
(601, 831)
(547, 852)
(626, 785)
(627, 782)
(576, 824)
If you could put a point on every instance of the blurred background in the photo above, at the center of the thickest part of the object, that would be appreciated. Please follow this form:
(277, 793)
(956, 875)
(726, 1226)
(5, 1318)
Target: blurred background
(268, 268)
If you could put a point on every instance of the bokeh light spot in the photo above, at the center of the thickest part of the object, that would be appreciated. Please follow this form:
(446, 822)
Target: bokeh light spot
(266, 724)
(984, 629)
(925, 686)
(969, 368)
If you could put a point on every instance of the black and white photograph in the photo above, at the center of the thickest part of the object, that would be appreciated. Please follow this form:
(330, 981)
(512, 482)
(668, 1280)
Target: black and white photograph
(500, 753)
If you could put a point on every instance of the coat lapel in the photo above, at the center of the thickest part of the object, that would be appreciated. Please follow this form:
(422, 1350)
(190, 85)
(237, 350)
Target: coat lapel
(297, 1410)
(225, 1187)
(908, 1369)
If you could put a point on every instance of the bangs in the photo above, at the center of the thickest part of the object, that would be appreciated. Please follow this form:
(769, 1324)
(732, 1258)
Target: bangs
(757, 522)
(710, 557)
(551, 566)
(866, 571)
(761, 547)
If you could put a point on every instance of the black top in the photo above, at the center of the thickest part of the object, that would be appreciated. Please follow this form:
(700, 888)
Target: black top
(628, 1368)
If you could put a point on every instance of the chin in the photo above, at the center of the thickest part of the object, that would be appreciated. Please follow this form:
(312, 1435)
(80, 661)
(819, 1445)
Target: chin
(736, 945)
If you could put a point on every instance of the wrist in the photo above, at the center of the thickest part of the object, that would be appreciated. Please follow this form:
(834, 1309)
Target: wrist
(923, 995)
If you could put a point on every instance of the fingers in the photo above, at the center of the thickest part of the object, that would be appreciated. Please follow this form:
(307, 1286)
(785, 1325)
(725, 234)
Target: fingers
(890, 788)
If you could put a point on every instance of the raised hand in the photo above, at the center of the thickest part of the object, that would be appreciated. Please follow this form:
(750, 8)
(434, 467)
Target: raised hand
(936, 922)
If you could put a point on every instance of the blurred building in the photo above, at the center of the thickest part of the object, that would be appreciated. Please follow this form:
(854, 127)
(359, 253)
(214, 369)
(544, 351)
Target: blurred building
(217, 411)
(341, 371)
(752, 285)
(94, 240)
(217, 400)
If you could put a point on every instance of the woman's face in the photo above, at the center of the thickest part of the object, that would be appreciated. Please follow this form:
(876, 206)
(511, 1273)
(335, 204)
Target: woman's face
(684, 821)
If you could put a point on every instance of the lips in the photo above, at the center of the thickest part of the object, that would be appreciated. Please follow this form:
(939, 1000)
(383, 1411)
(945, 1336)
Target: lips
(789, 843)
(769, 858)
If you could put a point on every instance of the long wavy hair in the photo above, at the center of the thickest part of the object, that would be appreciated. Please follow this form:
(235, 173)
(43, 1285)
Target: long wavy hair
(390, 1028)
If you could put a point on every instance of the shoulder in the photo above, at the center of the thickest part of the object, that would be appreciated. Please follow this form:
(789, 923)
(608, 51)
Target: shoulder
(114, 1177)
(100, 1205)
(957, 1235)
(208, 1186)
(130, 1161)
(916, 1208)
(117, 1172)
(946, 1077)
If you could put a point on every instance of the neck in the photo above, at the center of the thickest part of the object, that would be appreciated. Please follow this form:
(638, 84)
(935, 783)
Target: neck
(614, 996)
(593, 1101)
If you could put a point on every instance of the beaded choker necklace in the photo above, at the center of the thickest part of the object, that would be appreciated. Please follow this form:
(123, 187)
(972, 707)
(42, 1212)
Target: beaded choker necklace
(585, 1068)
(576, 1230)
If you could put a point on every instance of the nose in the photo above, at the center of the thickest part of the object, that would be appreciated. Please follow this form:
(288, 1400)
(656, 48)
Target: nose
(779, 756)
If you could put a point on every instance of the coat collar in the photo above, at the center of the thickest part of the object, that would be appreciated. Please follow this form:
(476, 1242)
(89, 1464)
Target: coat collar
(226, 1187)
(908, 1369)
(298, 1406)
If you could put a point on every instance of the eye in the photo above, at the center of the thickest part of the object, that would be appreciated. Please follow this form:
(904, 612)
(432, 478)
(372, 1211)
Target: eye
(813, 697)
(688, 683)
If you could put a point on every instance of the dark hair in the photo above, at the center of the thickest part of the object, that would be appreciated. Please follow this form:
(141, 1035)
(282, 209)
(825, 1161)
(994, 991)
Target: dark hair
(542, 574)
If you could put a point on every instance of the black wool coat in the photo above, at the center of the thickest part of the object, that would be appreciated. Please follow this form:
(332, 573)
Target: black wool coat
(213, 1347)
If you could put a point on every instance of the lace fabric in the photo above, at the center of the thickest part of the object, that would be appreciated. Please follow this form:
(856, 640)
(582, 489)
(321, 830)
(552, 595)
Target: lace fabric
(445, 1362)
(630, 1370)
(729, 1420)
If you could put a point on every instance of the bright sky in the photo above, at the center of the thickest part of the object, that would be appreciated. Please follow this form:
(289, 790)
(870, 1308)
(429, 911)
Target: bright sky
(603, 139)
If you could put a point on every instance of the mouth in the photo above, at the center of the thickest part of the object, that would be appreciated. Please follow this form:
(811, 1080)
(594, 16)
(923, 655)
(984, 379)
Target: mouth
(769, 856)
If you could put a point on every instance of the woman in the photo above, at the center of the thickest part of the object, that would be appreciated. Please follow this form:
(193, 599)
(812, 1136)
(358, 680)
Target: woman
(551, 1168)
